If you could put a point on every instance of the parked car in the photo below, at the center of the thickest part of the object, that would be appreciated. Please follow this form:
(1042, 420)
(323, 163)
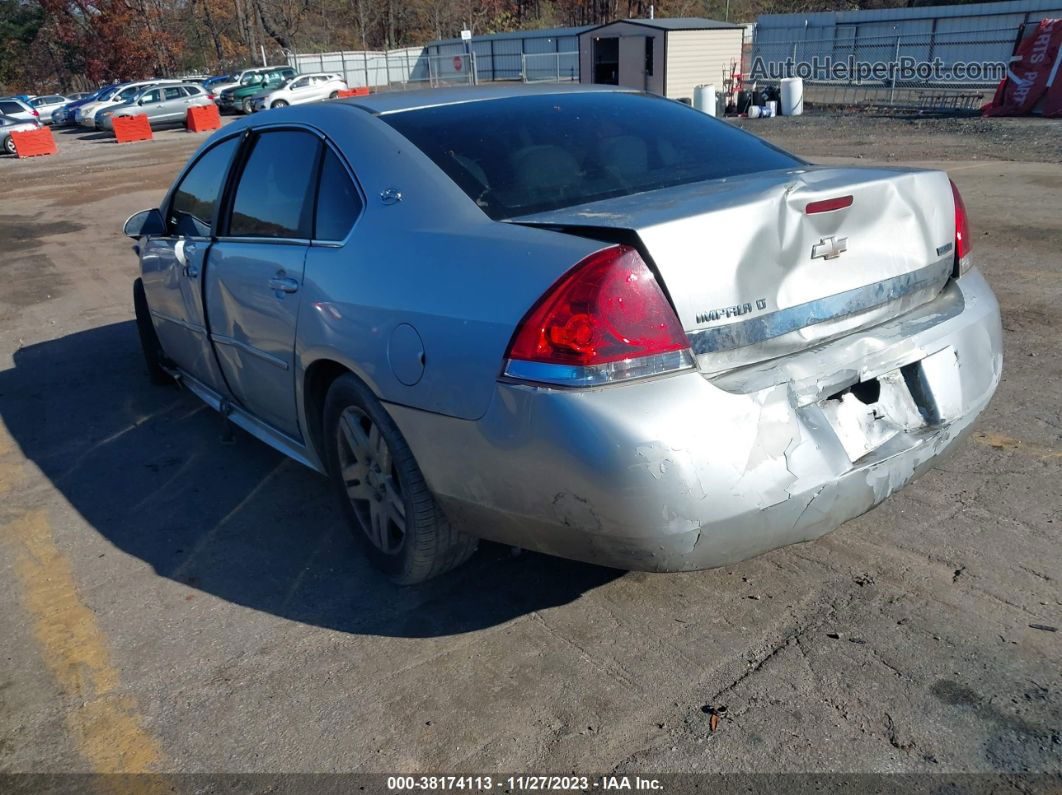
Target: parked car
(64, 115)
(116, 95)
(18, 109)
(10, 124)
(613, 329)
(238, 99)
(244, 77)
(47, 104)
(300, 89)
(161, 104)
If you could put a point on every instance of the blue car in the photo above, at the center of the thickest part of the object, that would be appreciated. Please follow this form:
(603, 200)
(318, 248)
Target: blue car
(65, 115)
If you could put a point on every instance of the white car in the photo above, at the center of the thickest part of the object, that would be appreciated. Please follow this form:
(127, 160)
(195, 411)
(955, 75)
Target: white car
(85, 116)
(301, 89)
(48, 104)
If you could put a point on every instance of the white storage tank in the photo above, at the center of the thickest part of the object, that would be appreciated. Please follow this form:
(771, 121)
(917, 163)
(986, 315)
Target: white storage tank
(704, 99)
(792, 96)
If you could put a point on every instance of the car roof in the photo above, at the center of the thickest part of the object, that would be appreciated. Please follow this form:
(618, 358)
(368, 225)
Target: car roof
(397, 101)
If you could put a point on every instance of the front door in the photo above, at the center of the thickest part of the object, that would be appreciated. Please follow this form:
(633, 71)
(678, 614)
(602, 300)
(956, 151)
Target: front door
(256, 271)
(632, 62)
(173, 265)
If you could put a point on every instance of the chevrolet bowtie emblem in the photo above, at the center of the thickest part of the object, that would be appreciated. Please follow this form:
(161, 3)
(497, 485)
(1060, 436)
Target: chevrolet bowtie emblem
(829, 248)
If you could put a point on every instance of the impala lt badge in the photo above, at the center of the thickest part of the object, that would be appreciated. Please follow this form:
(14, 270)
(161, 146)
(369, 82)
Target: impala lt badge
(829, 248)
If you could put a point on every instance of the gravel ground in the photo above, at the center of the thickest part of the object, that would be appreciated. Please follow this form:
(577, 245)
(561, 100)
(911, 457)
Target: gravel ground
(174, 603)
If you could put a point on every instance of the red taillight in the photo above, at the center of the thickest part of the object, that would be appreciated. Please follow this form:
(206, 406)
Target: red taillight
(963, 243)
(36, 113)
(608, 308)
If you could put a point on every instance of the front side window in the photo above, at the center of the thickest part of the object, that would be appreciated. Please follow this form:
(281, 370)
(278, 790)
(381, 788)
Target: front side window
(151, 96)
(338, 201)
(192, 209)
(273, 198)
(129, 93)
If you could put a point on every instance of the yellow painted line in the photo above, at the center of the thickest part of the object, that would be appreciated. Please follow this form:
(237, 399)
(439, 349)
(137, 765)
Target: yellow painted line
(1001, 442)
(103, 721)
(10, 466)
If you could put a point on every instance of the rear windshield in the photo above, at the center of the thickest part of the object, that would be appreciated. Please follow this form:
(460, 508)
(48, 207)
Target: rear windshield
(529, 154)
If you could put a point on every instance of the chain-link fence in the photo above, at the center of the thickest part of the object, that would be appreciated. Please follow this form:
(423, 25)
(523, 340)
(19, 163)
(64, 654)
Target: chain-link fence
(414, 67)
(550, 67)
(939, 70)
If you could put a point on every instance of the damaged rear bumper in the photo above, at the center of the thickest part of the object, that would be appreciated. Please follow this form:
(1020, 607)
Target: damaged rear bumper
(687, 472)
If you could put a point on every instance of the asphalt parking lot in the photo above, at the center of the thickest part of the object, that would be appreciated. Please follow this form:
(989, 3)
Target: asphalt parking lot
(172, 602)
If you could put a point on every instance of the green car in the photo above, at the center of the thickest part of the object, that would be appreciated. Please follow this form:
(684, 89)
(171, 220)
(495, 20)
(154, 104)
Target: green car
(238, 98)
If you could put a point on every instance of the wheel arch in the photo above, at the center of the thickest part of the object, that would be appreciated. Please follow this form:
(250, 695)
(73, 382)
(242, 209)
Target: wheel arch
(318, 377)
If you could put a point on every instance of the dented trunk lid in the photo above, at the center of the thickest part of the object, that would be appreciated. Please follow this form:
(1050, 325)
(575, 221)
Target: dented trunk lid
(754, 276)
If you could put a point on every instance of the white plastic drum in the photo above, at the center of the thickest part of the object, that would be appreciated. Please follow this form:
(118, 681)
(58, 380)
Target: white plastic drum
(792, 96)
(754, 111)
(704, 99)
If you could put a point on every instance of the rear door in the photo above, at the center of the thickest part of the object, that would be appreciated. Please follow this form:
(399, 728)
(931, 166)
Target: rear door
(256, 272)
(173, 264)
(174, 104)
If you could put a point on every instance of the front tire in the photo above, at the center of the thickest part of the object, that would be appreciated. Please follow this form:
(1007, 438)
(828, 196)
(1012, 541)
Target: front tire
(383, 494)
(149, 340)
(279, 104)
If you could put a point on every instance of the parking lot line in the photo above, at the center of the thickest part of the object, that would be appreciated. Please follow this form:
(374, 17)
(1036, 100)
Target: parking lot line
(104, 723)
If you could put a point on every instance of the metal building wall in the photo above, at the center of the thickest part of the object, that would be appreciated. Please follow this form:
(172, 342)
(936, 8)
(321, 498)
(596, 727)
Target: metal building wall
(978, 31)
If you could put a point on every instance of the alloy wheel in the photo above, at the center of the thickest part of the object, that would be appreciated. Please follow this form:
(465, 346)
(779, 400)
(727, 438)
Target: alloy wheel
(372, 485)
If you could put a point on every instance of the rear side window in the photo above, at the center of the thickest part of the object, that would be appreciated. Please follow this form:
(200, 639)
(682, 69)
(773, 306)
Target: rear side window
(174, 93)
(11, 108)
(338, 201)
(192, 91)
(529, 154)
(273, 198)
(192, 209)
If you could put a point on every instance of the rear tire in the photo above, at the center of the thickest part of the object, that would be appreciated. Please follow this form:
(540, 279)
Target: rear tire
(149, 339)
(334, 95)
(383, 494)
(9, 145)
(247, 107)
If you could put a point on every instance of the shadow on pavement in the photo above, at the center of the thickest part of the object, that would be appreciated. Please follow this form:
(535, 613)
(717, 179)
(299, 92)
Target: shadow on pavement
(147, 468)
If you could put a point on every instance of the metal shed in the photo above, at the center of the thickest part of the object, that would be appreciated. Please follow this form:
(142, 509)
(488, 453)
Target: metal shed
(664, 56)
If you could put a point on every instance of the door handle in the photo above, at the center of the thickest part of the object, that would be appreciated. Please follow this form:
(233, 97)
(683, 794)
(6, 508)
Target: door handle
(283, 284)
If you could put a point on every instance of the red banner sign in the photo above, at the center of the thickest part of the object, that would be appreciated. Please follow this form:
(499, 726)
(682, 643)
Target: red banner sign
(1034, 80)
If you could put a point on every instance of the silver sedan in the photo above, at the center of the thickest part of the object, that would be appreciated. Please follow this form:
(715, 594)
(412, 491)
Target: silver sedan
(594, 323)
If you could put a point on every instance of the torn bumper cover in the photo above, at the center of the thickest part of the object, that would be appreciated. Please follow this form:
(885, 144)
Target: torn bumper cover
(690, 472)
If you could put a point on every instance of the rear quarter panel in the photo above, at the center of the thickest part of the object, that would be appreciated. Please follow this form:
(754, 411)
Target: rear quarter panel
(433, 261)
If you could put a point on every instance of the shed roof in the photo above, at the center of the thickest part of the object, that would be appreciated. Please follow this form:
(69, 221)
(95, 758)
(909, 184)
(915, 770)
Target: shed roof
(674, 23)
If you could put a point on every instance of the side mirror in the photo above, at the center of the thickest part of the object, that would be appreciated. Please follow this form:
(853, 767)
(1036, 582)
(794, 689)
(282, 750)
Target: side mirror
(144, 224)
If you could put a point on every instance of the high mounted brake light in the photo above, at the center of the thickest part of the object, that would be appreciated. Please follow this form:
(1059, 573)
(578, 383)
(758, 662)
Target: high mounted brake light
(605, 320)
(963, 242)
